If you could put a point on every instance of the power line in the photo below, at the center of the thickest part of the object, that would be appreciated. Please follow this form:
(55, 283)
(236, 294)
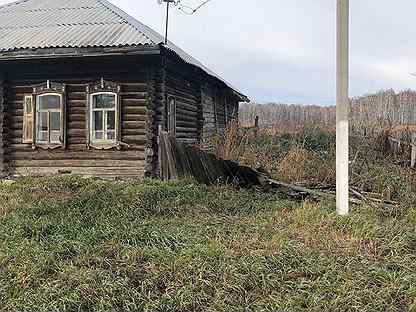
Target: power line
(190, 10)
(181, 7)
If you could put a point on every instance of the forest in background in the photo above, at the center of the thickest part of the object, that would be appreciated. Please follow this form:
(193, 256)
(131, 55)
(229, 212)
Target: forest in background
(385, 108)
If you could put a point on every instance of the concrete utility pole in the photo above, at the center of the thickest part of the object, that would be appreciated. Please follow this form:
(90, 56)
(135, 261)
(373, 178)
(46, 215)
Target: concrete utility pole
(342, 107)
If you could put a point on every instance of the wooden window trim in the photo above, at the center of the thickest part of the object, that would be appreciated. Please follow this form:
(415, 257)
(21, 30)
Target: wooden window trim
(104, 143)
(28, 116)
(104, 87)
(49, 144)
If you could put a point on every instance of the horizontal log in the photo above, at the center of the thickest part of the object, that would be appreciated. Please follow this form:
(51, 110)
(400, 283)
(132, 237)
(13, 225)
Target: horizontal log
(64, 163)
(188, 107)
(133, 102)
(133, 131)
(192, 124)
(86, 154)
(134, 172)
(134, 110)
(74, 96)
(192, 136)
(135, 139)
(77, 125)
(135, 117)
(135, 93)
(76, 103)
(186, 129)
(78, 110)
(184, 112)
(134, 125)
(183, 117)
(182, 94)
(76, 117)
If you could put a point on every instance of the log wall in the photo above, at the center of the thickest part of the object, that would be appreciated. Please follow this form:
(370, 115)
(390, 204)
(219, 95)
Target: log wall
(203, 109)
(76, 158)
(186, 92)
(219, 109)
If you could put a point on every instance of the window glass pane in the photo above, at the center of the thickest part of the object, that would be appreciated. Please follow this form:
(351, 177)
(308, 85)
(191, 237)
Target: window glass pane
(42, 127)
(104, 101)
(55, 136)
(28, 105)
(111, 120)
(42, 136)
(55, 121)
(98, 135)
(111, 135)
(98, 120)
(42, 121)
(49, 102)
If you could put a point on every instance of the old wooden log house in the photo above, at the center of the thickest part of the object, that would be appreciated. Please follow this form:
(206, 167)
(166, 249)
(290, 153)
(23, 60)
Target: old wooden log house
(85, 88)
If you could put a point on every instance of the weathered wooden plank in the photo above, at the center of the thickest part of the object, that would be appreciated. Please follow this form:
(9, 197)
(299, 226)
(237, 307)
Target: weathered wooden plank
(133, 172)
(64, 163)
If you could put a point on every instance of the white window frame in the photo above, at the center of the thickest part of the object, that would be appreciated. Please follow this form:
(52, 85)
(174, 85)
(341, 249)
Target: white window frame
(57, 110)
(103, 141)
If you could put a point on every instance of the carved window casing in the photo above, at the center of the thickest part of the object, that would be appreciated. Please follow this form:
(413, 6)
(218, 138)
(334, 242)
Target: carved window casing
(28, 118)
(44, 116)
(104, 115)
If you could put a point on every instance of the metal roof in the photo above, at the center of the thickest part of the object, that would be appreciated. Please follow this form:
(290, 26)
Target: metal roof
(38, 24)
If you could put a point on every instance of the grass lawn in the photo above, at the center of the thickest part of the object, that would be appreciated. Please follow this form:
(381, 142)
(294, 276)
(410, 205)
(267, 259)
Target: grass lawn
(82, 244)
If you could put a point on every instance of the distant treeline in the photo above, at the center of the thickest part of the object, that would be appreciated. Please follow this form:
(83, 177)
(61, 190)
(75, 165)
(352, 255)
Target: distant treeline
(273, 114)
(380, 109)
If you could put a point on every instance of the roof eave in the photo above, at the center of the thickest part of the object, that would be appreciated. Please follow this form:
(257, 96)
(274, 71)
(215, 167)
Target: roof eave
(58, 52)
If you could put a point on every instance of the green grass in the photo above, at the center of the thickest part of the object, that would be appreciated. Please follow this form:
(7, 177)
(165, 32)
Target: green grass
(81, 244)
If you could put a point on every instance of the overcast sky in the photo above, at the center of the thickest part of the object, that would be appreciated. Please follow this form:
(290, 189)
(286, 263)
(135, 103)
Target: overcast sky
(284, 50)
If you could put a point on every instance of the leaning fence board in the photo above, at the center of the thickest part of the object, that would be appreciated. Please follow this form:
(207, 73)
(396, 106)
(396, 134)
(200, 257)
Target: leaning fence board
(180, 159)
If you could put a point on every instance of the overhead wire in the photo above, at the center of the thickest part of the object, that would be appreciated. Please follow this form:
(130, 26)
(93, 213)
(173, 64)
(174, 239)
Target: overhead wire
(186, 9)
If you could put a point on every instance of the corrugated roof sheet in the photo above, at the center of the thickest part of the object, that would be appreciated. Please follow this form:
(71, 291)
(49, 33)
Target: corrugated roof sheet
(37, 24)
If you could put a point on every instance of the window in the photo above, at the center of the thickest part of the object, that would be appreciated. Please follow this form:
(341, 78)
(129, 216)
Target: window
(28, 119)
(103, 116)
(44, 115)
(49, 125)
(172, 116)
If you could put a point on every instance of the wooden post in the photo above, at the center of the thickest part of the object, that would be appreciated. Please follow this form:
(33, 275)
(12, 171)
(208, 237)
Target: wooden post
(256, 122)
(256, 126)
(342, 107)
(2, 110)
(160, 151)
(413, 156)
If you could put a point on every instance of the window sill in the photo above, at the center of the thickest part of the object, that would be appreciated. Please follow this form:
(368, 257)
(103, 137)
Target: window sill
(46, 146)
(107, 146)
